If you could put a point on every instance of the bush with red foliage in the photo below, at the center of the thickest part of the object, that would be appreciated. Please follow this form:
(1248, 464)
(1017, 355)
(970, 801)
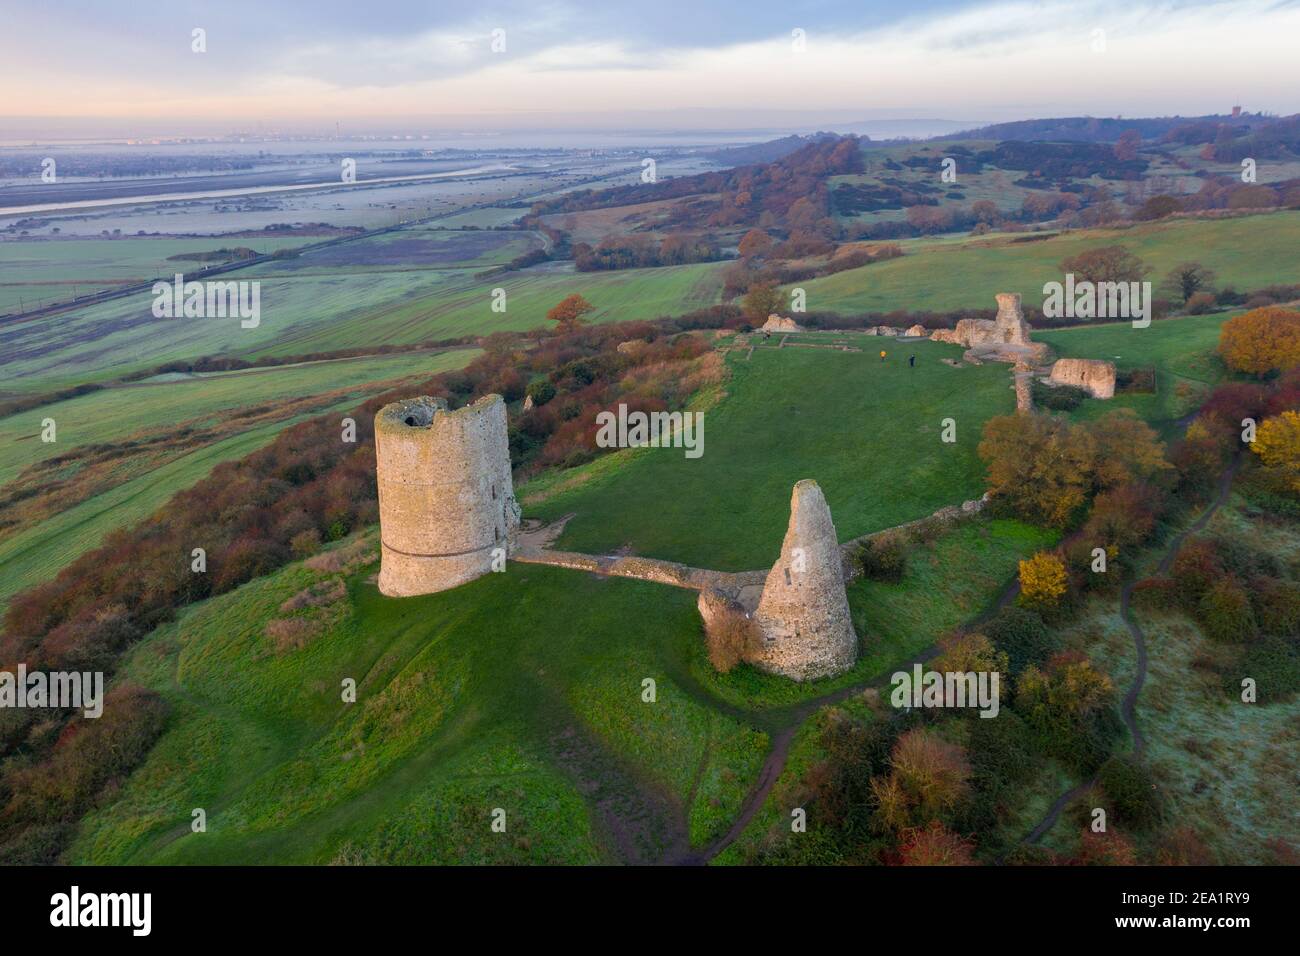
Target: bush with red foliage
(935, 845)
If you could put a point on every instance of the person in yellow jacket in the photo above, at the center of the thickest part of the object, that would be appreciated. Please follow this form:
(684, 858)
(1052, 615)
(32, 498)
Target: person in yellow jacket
(882, 355)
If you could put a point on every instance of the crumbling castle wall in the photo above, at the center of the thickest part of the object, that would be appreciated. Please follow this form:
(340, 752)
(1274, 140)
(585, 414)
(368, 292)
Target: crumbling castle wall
(1004, 338)
(446, 500)
(1023, 377)
(1097, 376)
(1009, 326)
(776, 323)
(805, 630)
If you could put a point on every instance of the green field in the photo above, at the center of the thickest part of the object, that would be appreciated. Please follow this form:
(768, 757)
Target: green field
(867, 432)
(1181, 349)
(1248, 253)
(57, 270)
(314, 312)
(120, 414)
(417, 285)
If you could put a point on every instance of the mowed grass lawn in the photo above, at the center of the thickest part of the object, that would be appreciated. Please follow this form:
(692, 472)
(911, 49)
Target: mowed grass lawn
(1248, 253)
(521, 691)
(868, 432)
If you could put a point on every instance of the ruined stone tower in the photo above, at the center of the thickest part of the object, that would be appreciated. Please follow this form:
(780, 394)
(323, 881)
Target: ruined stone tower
(446, 501)
(1010, 325)
(805, 630)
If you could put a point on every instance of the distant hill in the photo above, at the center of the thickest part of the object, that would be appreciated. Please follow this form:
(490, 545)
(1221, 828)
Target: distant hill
(1099, 129)
(768, 152)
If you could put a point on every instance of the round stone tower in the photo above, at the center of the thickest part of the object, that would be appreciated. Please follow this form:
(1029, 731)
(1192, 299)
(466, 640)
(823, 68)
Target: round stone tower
(447, 506)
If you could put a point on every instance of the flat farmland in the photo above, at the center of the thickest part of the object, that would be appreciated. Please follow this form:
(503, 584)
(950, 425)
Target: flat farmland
(33, 272)
(345, 309)
(407, 249)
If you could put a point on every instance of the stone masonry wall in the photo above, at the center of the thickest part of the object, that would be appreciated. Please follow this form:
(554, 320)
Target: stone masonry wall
(1095, 375)
(803, 615)
(446, 500)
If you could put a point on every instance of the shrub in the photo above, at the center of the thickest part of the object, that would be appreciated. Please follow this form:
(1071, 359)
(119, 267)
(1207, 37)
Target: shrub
(935, 845)
(1058, 398)
(1001, 751)
(1276, 604)
(1043, 582)
(1022, 634)
(541, 392)
(1156, 594)
(883, 558)
(305, 543)
(1111, 848)
(1135, 799)
(1277, 444)
(1069, 707)
(729, 635)
(1263, 340)
(929, 777)
(1224, 612)
(1196, 567)
(1274, 664)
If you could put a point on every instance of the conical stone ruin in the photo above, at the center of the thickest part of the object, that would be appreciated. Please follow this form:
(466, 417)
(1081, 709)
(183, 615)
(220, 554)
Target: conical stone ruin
(803, 622)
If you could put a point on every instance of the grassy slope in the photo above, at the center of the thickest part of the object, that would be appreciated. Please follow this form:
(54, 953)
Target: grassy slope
(1249, 252)
(947, 582)
(466, 702)
(116, 414)
(868, 432)
(37, 553)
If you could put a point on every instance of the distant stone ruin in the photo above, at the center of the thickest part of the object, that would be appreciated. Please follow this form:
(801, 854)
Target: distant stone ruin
(1096, 376)
(1005, 338)
(805, 631)
(917, 331)
(446, 500)
(776, 323)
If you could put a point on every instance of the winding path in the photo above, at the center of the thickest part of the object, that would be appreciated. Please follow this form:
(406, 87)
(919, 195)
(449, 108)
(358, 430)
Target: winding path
(1128, 710)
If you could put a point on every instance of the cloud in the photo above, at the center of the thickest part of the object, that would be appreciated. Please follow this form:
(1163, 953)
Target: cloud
(989, 59)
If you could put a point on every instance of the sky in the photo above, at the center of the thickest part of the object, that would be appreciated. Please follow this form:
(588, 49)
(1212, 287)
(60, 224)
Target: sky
(372, 65)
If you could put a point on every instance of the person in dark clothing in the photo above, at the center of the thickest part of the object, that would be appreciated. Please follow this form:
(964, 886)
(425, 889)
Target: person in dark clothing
(911, 361)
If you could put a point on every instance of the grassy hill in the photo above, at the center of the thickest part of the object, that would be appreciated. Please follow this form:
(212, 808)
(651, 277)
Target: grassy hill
(1247, 253)
(523, 691)
(867, 431)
